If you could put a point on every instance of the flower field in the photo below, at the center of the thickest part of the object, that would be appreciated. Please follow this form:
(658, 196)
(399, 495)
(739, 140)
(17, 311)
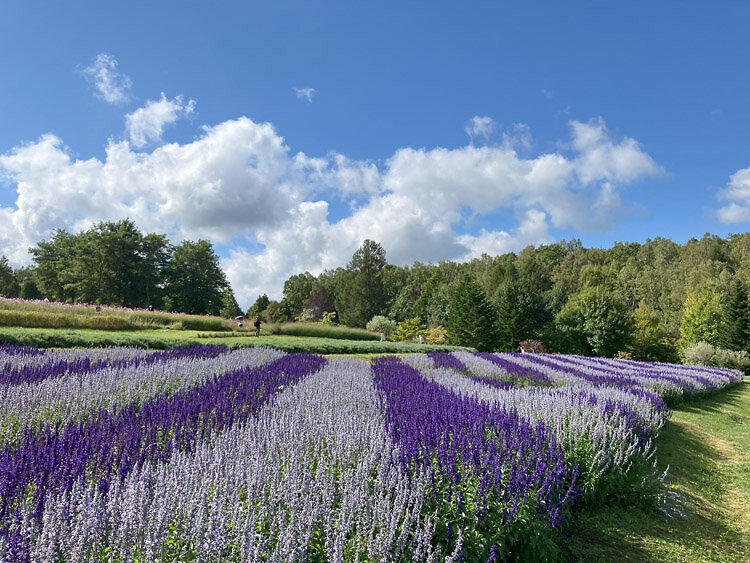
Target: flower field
(207, 454)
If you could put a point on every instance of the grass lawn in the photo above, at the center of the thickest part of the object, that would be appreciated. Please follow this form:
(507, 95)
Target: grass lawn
(706, 445)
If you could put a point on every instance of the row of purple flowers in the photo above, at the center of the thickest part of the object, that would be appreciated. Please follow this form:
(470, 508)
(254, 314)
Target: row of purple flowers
(293, 457)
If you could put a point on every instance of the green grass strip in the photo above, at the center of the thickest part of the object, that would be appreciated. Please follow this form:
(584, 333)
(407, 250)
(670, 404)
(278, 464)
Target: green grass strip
(707, 447)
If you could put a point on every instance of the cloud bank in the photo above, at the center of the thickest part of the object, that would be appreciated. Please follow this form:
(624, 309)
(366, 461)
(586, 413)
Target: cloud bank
(239, 185)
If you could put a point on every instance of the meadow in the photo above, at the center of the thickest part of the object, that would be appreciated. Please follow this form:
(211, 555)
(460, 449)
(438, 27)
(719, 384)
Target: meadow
(206, 453)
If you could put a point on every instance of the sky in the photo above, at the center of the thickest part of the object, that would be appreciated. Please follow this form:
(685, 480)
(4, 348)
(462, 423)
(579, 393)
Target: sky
(287, 133)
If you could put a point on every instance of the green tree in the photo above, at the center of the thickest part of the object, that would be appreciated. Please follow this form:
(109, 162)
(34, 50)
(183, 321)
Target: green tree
(297, 290)
(53, 261)
(360, 294)
(595, 320)
(195, 282)
(229, 307)
(257, 308)
(274, 313)
(8, 284)
(650, 340)
(735, 328)
(701, 321)
(511, 325)
(110, 263)
(472, 319)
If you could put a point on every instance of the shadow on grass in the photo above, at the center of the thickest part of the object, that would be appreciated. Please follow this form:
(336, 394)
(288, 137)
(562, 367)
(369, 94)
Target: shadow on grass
(633, 533)
(733, 397)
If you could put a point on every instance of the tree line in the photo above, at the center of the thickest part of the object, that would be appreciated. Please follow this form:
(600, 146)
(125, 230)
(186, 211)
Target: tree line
(648, 301)
(113, 263)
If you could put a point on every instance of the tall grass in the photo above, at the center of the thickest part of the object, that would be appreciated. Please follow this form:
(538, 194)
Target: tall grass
(44, 314)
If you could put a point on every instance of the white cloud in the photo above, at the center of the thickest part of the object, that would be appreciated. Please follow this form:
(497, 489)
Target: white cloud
(737, 193)
(146, 125)
(304, 93)
(111, 85)
(601, 159)
(239, 185)
(479, 126)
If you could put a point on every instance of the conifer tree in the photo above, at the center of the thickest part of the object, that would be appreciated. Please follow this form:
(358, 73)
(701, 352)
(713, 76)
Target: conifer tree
(511, 326)
(472, 320)
(735, 329)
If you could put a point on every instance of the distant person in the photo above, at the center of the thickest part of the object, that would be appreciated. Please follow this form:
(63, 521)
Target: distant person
(382, 336)
(421, 339)
(257, 326)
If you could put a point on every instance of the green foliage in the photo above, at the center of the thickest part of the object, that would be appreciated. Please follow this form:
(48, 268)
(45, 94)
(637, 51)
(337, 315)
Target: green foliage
(408, 330)
(702, 319)
(472, 320)
(258, 308)
(381, 324)
(511, 321)
(319, 330)
(72, 338)
(703, 353)
(229, 307)
(650, 341)
(8, 284)
(195, 283)
(531, 288)
(112, 263)
(329, 319)
(595, 320)
(360, 293)
(274, 313)
(436, 335)
(735, 329)
(297, 290)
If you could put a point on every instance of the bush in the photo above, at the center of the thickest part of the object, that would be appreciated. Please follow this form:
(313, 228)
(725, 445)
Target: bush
(703, 353)
(732, 359)
(408, 330)
(317, 330)
(437, 335)
(381, 324)
(699, 353)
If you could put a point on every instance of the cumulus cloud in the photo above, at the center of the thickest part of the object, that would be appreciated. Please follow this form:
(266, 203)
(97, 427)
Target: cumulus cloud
(304, 93)
(111, 85)
(146, 125)
(600, 158)
(239, 185)
(737, 193)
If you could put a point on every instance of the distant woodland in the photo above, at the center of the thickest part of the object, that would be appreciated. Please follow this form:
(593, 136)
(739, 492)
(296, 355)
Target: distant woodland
(653, 301)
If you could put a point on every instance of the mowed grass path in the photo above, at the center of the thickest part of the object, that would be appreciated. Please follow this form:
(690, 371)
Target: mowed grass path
(706, 445)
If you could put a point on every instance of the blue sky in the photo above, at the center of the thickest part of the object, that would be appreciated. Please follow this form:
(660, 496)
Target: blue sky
(288, 132)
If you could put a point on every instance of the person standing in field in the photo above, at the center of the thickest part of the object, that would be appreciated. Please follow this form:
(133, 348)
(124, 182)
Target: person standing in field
(257, 326)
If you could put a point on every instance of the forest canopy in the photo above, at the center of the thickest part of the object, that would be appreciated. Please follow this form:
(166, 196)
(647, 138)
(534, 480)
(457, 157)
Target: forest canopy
(647, 301)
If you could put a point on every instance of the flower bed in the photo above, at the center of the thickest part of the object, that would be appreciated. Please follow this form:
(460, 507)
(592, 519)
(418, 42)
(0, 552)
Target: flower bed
(258, 455)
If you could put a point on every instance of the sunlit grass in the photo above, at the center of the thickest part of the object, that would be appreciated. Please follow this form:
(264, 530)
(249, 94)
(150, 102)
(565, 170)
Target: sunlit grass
(707, 448)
